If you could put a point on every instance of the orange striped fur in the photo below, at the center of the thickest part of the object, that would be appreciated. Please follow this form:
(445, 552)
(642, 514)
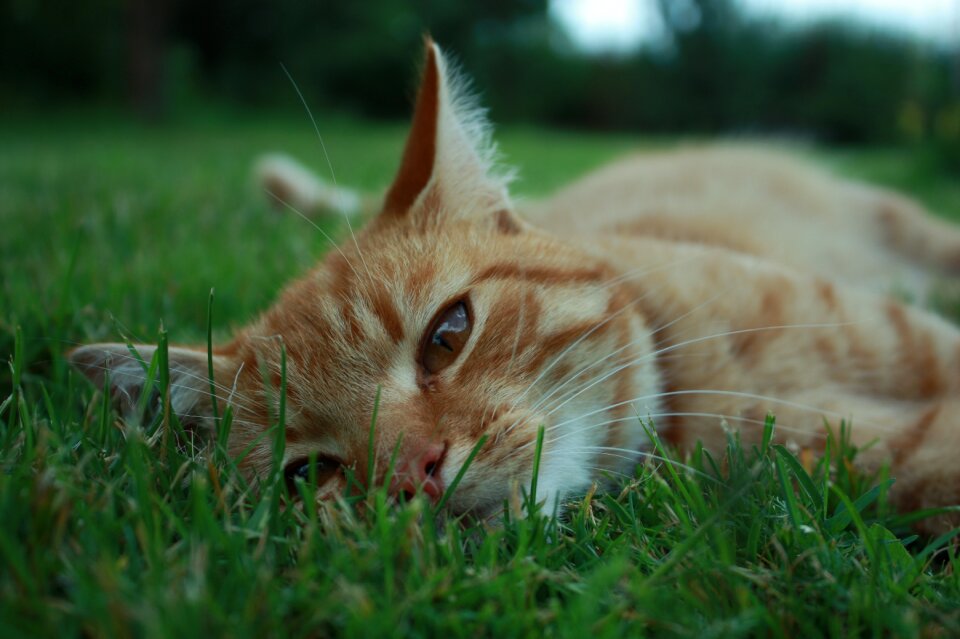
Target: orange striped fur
(689, 287)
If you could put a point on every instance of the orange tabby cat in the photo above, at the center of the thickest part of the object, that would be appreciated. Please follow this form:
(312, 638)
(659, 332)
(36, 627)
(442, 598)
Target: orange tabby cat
(687, 287)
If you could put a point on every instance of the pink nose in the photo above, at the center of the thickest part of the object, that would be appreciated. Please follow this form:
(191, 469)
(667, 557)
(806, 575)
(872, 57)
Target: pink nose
(420, 469)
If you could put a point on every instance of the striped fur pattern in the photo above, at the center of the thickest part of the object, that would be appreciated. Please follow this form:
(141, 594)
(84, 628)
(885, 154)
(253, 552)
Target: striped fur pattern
(660, 287)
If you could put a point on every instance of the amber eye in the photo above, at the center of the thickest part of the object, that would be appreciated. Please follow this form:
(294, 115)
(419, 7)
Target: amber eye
(319, 470)
(446, 338)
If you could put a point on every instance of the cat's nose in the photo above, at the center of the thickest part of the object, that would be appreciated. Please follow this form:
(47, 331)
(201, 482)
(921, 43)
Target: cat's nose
(420, 469)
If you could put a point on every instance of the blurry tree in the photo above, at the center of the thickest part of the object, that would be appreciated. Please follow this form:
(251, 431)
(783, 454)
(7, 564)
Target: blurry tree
(717, 69)
(353, 55)
(53, 49)
(146, 22)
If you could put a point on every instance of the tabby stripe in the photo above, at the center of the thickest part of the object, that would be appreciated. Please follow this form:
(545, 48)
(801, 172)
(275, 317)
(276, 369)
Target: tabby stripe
(419, 278)
(825, 349)
(538, 274)
(502, 340)
(930, 383)
(355, 334)
(749, 345)
(386, 312)
(506, 223)
(827, 294)
(906, 444)
(550, 344)
(918, 359)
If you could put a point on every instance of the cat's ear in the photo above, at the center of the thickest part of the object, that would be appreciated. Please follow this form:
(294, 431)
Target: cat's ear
(128, 377)
(448, 165)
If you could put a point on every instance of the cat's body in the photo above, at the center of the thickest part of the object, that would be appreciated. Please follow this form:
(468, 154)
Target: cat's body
(688, 287)
(766, 203)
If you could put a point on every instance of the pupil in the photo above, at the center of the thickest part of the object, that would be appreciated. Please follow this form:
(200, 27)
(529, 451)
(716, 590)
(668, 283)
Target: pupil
(304, 471)
(439, 341)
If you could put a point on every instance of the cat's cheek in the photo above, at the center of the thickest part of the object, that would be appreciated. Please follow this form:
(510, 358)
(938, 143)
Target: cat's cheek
(564, 472)
(481, 490)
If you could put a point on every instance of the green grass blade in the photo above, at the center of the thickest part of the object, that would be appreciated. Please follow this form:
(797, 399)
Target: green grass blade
(460, 473)
(537, 454)
(842, 516)
(371, 442)
(788, 494)
(800, 473)
(214, 404)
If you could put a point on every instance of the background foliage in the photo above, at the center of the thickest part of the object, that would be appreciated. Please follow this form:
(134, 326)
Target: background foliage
(717, 69)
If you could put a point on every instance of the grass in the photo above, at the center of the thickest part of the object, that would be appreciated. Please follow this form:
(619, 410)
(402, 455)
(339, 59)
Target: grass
(108, 530)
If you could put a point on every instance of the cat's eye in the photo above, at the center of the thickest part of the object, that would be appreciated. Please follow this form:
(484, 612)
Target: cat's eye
(446, 337)
(318, 470)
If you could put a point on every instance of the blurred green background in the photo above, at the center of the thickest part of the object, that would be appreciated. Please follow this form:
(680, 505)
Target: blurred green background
(716, 66)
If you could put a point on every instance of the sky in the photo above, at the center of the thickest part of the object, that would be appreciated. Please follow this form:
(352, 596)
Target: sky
(619, 25)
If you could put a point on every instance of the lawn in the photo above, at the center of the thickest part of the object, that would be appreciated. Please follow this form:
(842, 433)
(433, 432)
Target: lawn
(112, 229)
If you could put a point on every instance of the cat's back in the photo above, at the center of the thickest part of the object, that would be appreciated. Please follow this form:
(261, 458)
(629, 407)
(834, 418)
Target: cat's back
(686, 179)
(759, 200)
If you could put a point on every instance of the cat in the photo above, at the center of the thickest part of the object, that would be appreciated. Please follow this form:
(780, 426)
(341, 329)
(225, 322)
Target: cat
(691, 289)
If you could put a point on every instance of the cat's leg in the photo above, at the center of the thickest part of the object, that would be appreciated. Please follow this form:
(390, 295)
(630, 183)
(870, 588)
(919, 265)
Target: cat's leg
(289, 184)
(910, 230)
(919, 442)
(739, 338)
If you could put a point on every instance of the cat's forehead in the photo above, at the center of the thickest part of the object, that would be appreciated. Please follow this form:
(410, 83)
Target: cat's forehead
(365, 301)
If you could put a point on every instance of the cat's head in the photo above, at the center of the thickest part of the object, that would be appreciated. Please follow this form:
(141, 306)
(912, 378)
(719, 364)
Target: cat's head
(462, 319)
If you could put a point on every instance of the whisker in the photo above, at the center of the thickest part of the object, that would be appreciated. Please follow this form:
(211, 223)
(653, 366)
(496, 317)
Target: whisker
(710, 391)
(579, 340)
(236, 378)
(608, 471)
(333, 175)
(124, 329)
(645, 270)
(179, 371)
(626, 453)
(616, 280)
(235, 420)
(516, 339)
(667, 349)
(617, 351)
(565, 351)
(185, 373)
(719, 416)
(314, 225)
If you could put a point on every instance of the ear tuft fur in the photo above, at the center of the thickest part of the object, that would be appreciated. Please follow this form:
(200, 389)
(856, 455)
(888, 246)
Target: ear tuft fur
(450, 160)
(472, 118)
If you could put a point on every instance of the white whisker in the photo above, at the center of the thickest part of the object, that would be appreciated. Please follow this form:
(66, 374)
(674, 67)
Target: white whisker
(718, 416)
(721, 392)
(516, 339)
(667, 349)
(645, 270)
(236, 378)
(314, 225)
(333, 176)
(542, 400)
(617, 351)
(626, 453)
